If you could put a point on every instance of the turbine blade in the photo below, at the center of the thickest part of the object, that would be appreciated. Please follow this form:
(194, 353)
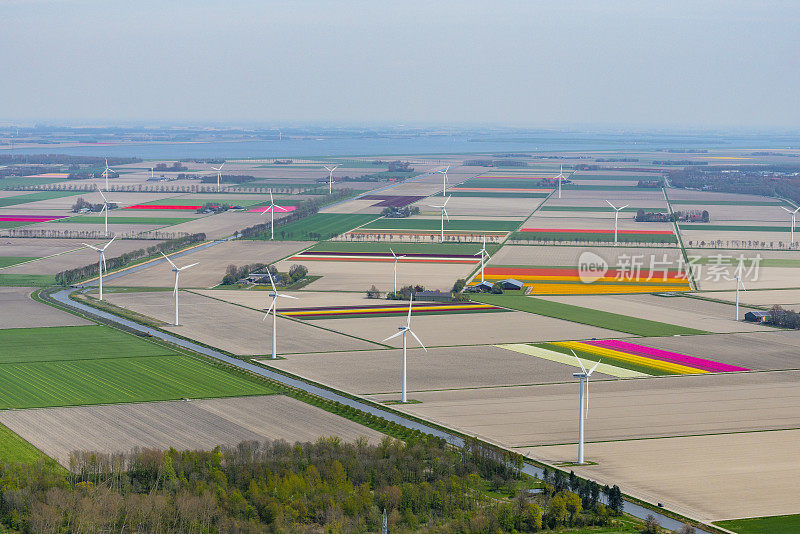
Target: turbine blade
(169, 260)
(103, 257)
(268, 310)
(101, 192)
(112, 240)
(392, 251)
(595, 367)
(271, 281)
(187, 266)
(271, 200)
(418, 341)
(795, 211)
(393, 335)
(586, 412)
(623, 207)
(446, 201)
(610, 204)
(287, 296)
(445, 214)
(579, 360)
(410, 302)
(787, 210)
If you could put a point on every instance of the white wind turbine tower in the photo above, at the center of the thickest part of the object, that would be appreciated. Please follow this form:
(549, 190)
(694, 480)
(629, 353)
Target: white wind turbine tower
(560, 177)
(583, 411)
(396, 257)
(616, 216)
(444, 214)
(273, 306)
(105, 173)
(406, 329)
(330, 177)
(176, 270)
(106, 202)
(791, 231)
(739, 282)
(219, 174)
(272, 208)
(101, 261)
(151, 174)
(444, 179)
(483, 254)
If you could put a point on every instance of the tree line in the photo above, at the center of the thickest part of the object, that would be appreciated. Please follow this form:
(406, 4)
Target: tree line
(423, 484)
(71, 276)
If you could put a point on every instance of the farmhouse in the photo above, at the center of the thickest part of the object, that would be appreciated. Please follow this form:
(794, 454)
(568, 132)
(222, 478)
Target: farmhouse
(510, 283)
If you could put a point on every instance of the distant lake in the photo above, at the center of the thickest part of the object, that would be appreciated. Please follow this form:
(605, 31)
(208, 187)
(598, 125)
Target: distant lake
(419, 145)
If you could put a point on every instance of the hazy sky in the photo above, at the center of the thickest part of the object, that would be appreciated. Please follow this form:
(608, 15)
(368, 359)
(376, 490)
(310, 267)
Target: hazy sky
(668, 63)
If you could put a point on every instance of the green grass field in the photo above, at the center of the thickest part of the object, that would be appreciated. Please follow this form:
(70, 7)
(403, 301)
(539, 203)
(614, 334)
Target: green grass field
(15, 224)
(436, 224)
(733, 228)
(34, 197)
(779, 524)
(403, 248)
(15, 449)
(7, 261)
(72, 343)
(99, 219)
(10, 182)
(65, 366)
(594, 237)
(578, 314)
(322, 225)
(27, 280)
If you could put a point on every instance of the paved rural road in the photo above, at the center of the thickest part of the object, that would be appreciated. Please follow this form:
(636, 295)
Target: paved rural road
(63, 298)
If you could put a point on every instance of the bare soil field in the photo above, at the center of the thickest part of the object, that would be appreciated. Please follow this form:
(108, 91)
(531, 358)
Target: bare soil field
(773, 349)
(122, 229)
(785, 297)
(696, 238)
(234, 328)
(360, 276)
(481, 207)
(18, 310)
(79, 257)
(767, 278)
(682, 311)
(752, 215)
(440, 368)
(598, 202)
(623, 196)
(706, 477)
(470, 329)
(222, 225)
(684, 194)
(620, 409)
(198, 424)
(34, 247)
(569, 256)
(120, 198)
(580, 222)
(354, 206)
(256, 298)
(212, 262)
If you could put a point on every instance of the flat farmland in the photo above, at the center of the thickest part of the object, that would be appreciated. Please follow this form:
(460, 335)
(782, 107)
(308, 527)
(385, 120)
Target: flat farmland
(354, 206)
(470, 329)
(768, 350)
(579, 204)
(762, 297)
(233, 328)
(706, 477)
(18, 310)
(29, 199)
(708, 238)
(621, 409)
(74, 256)
(678, 195)
(97, 226)
(324, 225)
(470, 225)
(581, 222)
(402, 248)
(197, 425)
(682, 311)
(621, 196)
(439, 368)
(738, 214)
(484, 206)
(212, 262)
(221, 225)
(565, 256)
(360, 276)
(258, 299)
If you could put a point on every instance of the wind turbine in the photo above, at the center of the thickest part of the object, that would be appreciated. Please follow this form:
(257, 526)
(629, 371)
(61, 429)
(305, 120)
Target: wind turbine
(177, 271)
(101, 261)
(106, 202)
(273, 306)
(105, 173)
(791, 231)
(444, 214)
(396, 257)
(738, 278)
(272, 207)
(483, 253)
(403, 330)
(616, 216)
(330, 177)
(583, 411)
(151, 174)
(560, 177)
(444, 179)
(219, 173)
